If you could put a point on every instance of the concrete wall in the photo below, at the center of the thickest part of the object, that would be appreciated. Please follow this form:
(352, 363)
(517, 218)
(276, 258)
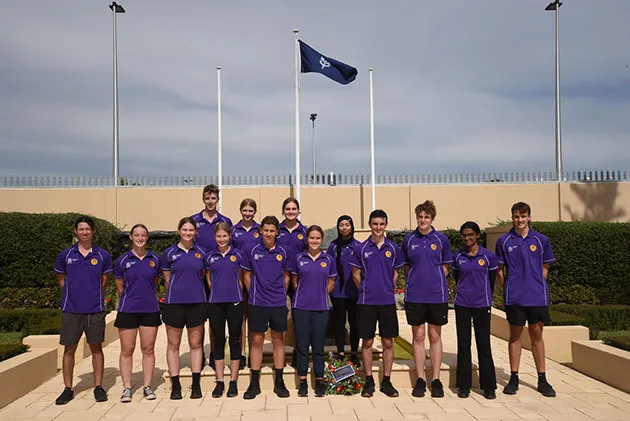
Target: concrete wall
(23, 373)
(161, 208)
(602, 362)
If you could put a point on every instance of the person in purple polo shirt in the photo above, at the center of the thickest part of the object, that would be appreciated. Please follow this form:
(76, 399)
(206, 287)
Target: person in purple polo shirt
(183, 266)
(267, 273)
(226, 305)
(344, 294)
(82, 271)
(313, 278)
(474, 269)
(526, 255)
(245, 233)
(206, 221)
(427, 254)
(375, 266)
(292, 236)
(137, 273)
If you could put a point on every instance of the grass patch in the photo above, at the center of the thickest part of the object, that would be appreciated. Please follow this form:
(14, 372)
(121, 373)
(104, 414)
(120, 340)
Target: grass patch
(402, 349)
(8, 338)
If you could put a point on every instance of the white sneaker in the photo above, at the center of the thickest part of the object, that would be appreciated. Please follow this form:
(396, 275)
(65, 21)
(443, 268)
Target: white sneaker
(148, 393)
(126, 396)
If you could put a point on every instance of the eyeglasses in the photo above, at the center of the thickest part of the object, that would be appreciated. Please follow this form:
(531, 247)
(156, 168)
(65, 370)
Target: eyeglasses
(468, 235)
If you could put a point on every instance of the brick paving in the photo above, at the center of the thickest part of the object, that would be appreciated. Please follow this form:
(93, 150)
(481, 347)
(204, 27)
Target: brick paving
(579, 397)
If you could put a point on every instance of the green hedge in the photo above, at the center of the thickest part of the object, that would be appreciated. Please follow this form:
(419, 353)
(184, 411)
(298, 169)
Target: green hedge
(596, 317)
(30, 321)
(10, 351)
(47, 297)
(620, 339)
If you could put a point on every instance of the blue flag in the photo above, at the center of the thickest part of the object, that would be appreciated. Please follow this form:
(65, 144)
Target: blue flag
(312, 61)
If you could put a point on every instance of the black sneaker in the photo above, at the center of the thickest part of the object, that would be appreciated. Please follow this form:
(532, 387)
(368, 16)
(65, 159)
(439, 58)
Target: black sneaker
(437, 390)
(388, 389)
(419, 389)
(242, 364)
(354, 359)
(303, 389)
(252, 391)
(176, 393)
(66, 396)
(280, 389)
(218, 389)
(368, 388)
(511, 388)
(546, 389)
(463, 393)
(100, 395)
(195, 391)
(489, 394)
(211, 362)
(320, 388)
(232, 389)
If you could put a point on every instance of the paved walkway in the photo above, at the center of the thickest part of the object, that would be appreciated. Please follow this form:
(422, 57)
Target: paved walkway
(579, 398)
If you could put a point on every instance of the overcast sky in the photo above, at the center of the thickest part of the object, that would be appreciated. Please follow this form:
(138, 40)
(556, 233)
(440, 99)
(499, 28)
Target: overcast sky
(460, 86)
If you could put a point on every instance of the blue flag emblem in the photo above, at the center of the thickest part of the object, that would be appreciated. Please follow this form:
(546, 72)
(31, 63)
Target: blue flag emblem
(313, 61)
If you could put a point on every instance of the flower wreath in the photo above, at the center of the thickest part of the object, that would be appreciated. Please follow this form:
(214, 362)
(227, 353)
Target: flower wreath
(350, 386)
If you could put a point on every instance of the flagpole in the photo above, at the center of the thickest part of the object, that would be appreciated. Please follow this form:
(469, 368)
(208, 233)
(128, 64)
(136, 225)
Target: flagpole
(372, 172)
(219, 140)
(297, 113)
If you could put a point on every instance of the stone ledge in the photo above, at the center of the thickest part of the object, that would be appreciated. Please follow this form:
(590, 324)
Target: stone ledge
(602, 362)
(557, 338)
(23, 373)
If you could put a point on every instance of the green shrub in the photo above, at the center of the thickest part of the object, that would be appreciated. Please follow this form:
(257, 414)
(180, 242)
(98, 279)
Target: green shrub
(596, 317)
(619, 339)
(572, 294)
(11, 350)
(46, 297)
(30, 321)
(592, 254)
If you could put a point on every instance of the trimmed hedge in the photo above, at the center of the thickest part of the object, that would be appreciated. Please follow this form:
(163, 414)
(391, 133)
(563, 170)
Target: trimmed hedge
(10, 351)
(48, 297)
(596, 317)
(619, 340)
(30, 321)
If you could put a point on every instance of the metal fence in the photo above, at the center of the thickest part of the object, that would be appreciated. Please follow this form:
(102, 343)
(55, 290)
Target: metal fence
(330, 179)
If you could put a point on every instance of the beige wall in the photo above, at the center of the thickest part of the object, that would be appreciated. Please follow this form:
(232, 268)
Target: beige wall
(161, 208)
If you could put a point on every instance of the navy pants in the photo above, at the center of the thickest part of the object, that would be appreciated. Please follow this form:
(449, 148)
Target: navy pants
(310, 330)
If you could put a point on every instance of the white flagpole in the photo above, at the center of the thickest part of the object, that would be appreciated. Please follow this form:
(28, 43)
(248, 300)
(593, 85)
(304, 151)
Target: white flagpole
(219, 140)
(297, 113)
(372, 172)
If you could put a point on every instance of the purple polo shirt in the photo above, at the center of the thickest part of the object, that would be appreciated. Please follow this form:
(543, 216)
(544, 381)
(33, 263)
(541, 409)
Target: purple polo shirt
(525, 284)
(225, 286)
(82, 290)
(349, 289)
(294, 241)
(205, 229)
(138, 275)
(425, 255)
(243, 239)
(267, 269)
(377, 271)
(312, 290)
(187, 283)
(473, 284)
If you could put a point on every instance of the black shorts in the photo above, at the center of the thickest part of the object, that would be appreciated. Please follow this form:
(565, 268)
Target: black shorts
(262, 318)
(73, 325)
(126, 320)
(180, 315)
(518, 315)
(433, 314)
(369, 315)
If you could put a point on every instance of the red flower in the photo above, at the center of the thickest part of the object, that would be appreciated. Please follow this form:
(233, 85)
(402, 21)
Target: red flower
(108, 300)
(162, 300)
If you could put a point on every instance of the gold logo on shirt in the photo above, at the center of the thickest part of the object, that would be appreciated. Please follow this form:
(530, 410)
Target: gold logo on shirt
(388, 253)
(532, 247)
(152, 263)
(433, 247)
(482, 262)
(256, 235)
(279, 258)
(198, 256)
(300, 237)
(323, 264)
(94, 262)
(232, 258)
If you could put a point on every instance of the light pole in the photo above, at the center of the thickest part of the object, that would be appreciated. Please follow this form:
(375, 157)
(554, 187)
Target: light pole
(313, 117)
(555, 6)
(116, 8)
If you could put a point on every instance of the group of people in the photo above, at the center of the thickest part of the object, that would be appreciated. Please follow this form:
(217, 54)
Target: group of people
(241, 275)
